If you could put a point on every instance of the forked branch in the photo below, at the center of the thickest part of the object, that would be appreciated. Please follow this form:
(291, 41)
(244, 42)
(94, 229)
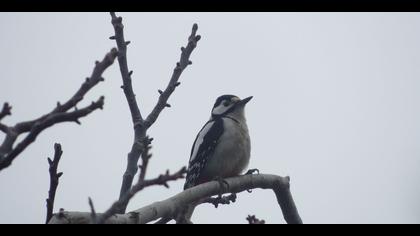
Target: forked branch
(61, 113)
(140, 124)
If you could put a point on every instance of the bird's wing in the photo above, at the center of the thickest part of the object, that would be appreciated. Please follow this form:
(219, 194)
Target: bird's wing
(203, 149)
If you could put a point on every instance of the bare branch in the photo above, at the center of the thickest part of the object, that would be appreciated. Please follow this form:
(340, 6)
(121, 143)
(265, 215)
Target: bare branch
(252, 220)
(90, 82)
(140, 125)
(125, 73)
(54, 180)
(60, 114)
(137, 119)
(160, 180)
(43, 124)
(173, 83)
(93, 216)
(6, 111)
(4, 128)
(169, 208)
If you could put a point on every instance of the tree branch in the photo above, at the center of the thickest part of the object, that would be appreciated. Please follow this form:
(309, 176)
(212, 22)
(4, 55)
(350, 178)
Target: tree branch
(6, 111)
(49, 121)
(60, 114)
(90, 82)
(137, 119)
(253, 220)
(93, 216)
(170, 207)
(140, 125)
(161, 180)
(4, 128)
(184, 61)
(54, 180)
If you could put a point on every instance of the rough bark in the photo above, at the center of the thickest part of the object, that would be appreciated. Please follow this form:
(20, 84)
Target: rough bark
(170, 207)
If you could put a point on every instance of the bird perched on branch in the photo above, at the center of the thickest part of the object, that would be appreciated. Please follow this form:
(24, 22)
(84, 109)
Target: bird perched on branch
(222, 147)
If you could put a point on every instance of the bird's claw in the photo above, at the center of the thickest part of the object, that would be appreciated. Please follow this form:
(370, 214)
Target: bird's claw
(224, 186)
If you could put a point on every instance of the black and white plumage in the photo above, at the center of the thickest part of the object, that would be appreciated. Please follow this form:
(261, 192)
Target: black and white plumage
(222, 147)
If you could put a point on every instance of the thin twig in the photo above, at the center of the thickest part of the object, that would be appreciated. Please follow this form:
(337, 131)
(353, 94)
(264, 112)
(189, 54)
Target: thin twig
(54, 180)
(59, 114)
(5, 111)
(253, 220)
(92, 211)
(140, 125)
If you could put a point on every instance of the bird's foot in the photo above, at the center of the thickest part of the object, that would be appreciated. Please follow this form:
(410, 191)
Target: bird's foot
(252, 171)
(224, 185)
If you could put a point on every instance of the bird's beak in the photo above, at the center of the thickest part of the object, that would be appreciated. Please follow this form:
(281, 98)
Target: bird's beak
(244, 101)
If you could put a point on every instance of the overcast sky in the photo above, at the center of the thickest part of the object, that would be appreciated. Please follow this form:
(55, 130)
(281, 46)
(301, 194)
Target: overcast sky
(336, 107)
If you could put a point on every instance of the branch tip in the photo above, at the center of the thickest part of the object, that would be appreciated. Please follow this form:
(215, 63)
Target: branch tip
(6, 110)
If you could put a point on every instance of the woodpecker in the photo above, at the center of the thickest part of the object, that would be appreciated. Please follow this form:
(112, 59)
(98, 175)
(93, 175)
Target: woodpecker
(222, 147)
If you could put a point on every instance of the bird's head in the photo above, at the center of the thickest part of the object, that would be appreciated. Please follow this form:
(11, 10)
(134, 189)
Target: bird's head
(230, 105)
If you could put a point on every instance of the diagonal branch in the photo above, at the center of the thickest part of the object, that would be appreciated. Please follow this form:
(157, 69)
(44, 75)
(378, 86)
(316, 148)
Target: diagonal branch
(49, 121)
(170, 207)
(184, 61)
(54, 177)
(60, 114)
(90, 82)
(4, 128)
(140, 125)
(161, 180)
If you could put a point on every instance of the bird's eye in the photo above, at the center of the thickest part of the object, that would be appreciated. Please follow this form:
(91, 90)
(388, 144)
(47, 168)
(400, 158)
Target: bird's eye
(226, 103)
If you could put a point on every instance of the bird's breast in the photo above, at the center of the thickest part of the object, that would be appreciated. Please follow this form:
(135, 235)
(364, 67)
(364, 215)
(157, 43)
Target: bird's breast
(231, 157)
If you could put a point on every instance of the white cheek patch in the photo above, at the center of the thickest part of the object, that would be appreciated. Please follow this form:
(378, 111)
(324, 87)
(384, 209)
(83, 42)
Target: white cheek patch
(200, 139)
(221, 109)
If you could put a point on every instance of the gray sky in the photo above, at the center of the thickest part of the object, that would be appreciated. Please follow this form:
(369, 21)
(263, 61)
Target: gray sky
(336, 107)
